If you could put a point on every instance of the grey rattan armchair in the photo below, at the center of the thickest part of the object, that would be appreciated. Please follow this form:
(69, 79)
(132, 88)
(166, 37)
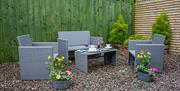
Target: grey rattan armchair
(155, 46)
(74, 40)
(32, 57)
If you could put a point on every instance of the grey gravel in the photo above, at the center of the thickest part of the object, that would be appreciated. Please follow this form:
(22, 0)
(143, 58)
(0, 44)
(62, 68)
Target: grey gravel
(100, 78)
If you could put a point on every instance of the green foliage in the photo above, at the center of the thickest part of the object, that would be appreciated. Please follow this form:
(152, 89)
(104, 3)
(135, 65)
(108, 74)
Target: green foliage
(119, 32)
(134, 37)
(162, 26)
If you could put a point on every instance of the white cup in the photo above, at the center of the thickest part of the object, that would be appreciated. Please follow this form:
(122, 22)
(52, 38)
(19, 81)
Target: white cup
(92, 46)
(108, 45)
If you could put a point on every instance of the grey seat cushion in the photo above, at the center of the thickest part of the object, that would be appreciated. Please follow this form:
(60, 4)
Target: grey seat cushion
(73, 48)
(75, 37)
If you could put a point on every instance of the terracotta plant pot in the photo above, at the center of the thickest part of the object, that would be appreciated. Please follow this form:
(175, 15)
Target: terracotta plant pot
(61, 84)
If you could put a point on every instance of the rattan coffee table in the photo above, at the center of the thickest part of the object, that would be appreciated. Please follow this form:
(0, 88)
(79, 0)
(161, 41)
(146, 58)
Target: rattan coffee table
(81, 57)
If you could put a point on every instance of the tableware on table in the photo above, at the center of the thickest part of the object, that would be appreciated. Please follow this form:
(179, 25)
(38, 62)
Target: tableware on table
(92, 46)
(86, 44)
(99, 43)
(105, 49)
(108, 46)
(81, 50)
(92, 50)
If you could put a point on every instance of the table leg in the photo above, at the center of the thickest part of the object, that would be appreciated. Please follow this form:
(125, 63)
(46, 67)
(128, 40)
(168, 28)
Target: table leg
(81, 62)
(131, 59)
(110, 58)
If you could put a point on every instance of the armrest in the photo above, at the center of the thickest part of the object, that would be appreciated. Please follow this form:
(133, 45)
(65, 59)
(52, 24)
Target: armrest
(94, 40)
(149, 47)
(35, 52)
(132, 43)
(63, 48)
(35, 47)
(53, 44)
(44, 43)
(62, 39)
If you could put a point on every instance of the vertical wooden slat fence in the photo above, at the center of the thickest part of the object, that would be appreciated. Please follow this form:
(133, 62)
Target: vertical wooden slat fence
(42, 19)
(146, 12)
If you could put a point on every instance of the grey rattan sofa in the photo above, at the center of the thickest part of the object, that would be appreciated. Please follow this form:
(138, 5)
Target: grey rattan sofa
(74, 40)
(32, 57)
(154, 46)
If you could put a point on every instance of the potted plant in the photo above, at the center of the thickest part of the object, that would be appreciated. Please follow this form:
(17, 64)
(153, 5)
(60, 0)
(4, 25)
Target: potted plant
(145, 72)
(59, 72)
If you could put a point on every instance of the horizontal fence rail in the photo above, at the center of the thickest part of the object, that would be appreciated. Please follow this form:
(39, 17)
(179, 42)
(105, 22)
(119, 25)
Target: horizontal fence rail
(42, 19)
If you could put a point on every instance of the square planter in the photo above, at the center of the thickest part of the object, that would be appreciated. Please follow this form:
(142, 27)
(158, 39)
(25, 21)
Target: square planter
(144, 77)
(61, 84)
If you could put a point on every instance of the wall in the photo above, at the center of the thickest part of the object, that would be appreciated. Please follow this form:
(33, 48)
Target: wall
(146, 12)
(42, 19)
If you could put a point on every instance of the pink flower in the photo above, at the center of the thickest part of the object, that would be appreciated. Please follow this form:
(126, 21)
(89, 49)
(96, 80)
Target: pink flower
(68, 72)
(154, 69)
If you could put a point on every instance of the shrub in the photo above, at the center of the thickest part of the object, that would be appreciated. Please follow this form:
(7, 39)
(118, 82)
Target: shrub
(134, 37)
(162, 26)
(119, 32)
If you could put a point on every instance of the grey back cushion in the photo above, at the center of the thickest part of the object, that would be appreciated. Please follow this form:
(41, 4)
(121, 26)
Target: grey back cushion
(24, 40)
(75, 37)
(158, 39)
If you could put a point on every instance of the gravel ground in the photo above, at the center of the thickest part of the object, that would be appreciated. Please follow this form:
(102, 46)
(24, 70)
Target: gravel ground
(100, 78)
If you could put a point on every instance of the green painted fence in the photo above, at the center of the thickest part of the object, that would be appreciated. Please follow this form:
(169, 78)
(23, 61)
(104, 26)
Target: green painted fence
(42, 19)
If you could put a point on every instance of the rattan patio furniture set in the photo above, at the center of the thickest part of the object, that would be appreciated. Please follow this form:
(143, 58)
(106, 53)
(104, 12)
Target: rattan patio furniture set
(32, 55)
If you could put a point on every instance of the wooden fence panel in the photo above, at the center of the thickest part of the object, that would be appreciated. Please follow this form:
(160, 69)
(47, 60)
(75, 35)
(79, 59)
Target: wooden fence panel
(145, 15)
(42, 19)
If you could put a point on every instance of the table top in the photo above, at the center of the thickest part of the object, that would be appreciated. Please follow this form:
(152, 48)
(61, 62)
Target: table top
(102, 50)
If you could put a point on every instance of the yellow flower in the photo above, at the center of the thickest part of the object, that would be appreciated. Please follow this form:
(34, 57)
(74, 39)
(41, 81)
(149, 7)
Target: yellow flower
(59, 60)
(58, 77)
(70, 61)
(49, 57)
(62, 57)
(139, 56)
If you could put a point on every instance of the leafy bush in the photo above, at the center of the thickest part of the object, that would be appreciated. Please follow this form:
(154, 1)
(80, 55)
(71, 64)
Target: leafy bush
(162, 26)
(134, 37)
(119, 32)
